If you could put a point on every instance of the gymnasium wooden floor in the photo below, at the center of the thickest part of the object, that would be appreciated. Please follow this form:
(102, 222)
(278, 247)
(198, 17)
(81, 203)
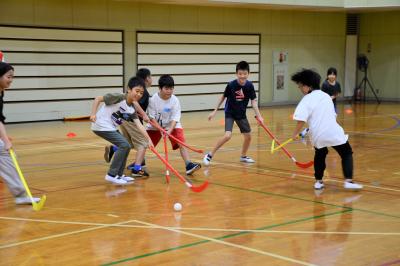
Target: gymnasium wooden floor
(266, 213)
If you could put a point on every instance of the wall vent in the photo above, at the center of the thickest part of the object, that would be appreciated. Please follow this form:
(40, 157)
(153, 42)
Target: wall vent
(352, 24)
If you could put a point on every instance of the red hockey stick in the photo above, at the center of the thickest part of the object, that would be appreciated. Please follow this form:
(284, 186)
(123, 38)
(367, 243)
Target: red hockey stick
(187, 183)
(299, 164)
(166, 157)
(175, 139)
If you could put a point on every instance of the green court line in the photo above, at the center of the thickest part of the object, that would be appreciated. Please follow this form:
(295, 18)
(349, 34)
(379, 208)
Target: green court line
(156, 252)
(345, 209)
(227, 236)
(307, 200)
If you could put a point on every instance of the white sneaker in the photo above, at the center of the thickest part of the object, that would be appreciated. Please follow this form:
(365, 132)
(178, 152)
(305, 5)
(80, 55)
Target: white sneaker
(319, 185)
(351, 185)
(26, 200)
(116, 180)
(207, 159)
(246, 159)
(127, 178)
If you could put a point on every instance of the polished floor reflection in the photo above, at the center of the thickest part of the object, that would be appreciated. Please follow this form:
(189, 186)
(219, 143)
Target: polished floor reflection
(266, 213)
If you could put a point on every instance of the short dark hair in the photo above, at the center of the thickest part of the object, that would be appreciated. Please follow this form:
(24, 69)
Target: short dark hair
(143, 73)
(166, 81)
(242, 65)
(331, 70)
(4, 68)
(135, 82)
(307, 77)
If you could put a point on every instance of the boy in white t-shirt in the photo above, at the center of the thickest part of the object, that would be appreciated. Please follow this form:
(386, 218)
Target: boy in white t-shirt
(118, 109)
(165, 109)
(317, 110)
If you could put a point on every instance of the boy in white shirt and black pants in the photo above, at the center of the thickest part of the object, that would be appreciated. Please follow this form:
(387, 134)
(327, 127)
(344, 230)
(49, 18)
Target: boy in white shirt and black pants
(317, 110)
(165, 109)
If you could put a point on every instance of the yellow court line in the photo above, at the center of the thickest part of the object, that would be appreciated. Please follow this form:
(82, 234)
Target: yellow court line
(149, 214)
(202, 228)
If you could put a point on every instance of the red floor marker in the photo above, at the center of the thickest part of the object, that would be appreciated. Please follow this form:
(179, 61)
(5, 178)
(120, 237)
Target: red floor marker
(71, 135)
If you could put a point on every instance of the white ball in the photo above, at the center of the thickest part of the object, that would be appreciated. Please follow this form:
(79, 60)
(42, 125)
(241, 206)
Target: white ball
(177, 207)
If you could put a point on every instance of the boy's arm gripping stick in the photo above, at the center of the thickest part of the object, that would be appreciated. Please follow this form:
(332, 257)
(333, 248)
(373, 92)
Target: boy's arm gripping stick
(299, 164)
(175, 139)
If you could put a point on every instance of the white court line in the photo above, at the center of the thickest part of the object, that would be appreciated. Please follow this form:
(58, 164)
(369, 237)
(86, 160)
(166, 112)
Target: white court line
(239, 166)
(229, 244)
(66, 146)
(207, 229)
(310, 177)
(232, 165)
(154, 226)
(101, 144)
(60, 235)
(372, 134)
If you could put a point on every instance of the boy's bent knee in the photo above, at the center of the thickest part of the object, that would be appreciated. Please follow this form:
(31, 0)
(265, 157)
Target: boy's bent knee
(125, 146)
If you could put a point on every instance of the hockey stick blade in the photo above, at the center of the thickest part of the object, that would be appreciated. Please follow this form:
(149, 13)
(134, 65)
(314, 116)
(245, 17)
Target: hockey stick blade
(35, 206)
(187, 183)
(199, 188)
(38, 206)
(305, 165)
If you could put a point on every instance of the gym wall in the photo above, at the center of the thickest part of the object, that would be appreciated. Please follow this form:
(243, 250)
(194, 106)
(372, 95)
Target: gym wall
(312, 39)
(58, 72)
(200, 63)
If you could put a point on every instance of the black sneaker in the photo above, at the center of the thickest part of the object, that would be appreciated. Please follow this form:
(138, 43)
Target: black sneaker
(108, 153)
(138, 174)
(192, 167)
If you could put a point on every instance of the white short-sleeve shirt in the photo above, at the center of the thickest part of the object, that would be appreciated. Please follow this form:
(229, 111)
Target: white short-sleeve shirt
(164, 111)
(317, 110)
